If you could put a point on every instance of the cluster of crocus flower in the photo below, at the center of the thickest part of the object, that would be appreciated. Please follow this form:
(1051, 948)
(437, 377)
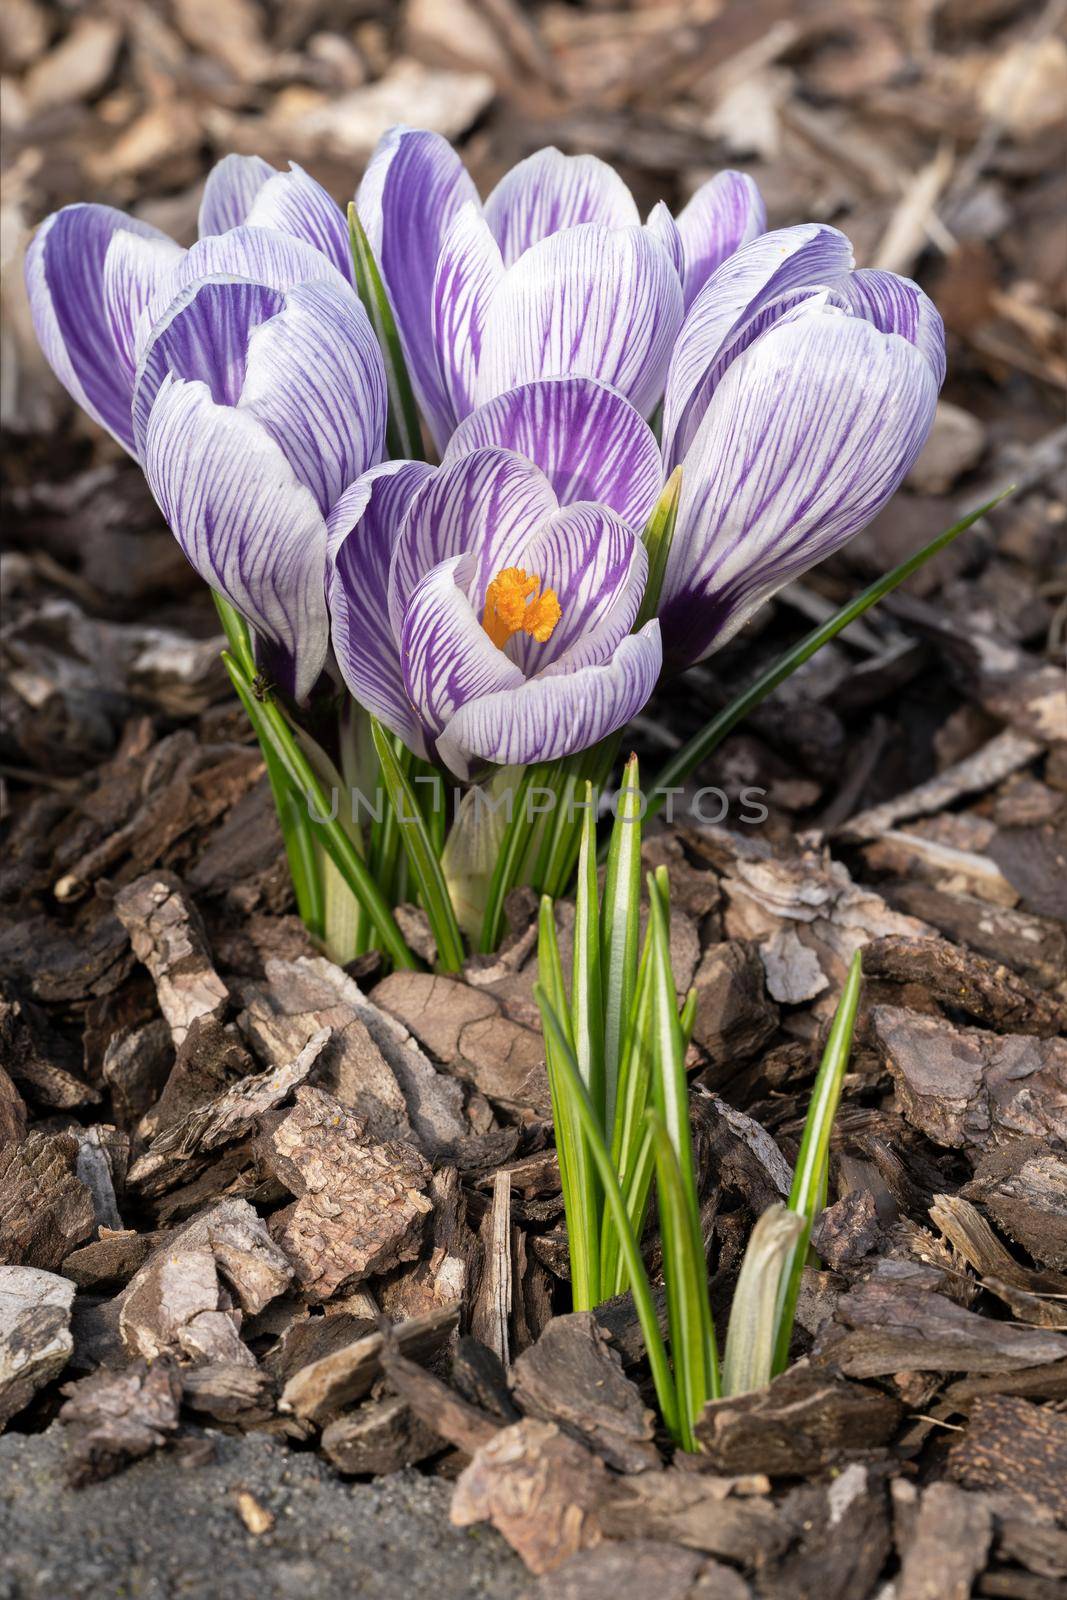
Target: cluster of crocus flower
(483, 608)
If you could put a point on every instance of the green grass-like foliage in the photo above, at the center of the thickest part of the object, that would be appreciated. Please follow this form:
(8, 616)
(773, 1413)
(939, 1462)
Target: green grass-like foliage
(615, 1048)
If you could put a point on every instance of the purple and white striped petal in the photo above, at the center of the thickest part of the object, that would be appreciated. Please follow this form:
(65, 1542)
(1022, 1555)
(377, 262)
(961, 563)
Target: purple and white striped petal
(294, 203)
(134, 267)
(468, 274)
(764, 276)
(251, 530)
(490, 503)
(662, 226)
(412, 191)
(588, 441)
(203, 337)
(274, 259)
(549, 192)
(554, 715)
(65, 282)
(724, 214)
(231, 187)
(592, 302)
(446, 654)
(897, 305)
(316, 382)
(806, 437)
(597, 570)
(361, 532)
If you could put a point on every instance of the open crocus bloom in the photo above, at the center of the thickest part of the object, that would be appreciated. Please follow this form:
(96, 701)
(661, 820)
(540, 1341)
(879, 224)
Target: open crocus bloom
(483, 609)
(554, 276)
(254, 409)
(799, 394)
(97, 278)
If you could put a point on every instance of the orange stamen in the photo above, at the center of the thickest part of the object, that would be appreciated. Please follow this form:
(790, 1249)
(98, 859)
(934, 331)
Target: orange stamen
(513, 605)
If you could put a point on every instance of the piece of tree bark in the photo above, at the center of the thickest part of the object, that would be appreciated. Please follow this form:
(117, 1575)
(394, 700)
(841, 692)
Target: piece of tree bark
(360, 1206)
(168, 936)
(491, 1311)
(803, 1422)
(114, 1417)
(380, 1437)
(45, 1209)
(186, 1146)
(35, 1338)
(948, 1549)
(1024, 1189)
(965, 1087)
(321, 1388)
(991, 993)
(539, 1488)
(1013, 1444)
(634, 1569)
(573, 1377)
(888, 1324)
(699, 1511)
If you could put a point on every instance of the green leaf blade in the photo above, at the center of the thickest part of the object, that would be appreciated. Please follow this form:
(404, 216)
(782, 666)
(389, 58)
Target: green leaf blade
(425, 867)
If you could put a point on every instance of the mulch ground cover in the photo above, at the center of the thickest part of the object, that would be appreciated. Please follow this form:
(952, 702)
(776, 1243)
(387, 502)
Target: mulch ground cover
(243, 1190)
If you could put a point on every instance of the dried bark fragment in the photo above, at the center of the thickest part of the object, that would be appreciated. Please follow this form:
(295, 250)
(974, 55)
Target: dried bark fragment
(966, 1087)
(35, 1338)
(304, 996)
(322, 1387)
(230, 1392)
(103, 1156)
(441, 1277)
(45, 1209)
(110, 1260)
(1036, 1297)
(573, 1377)
(168, 936)
(467, 1030)
(844, 1540)
(1024, 1189)
(539, 1489)
(634, 1569)
(848, 1230)
(1014, 1445)
(210, 1059)
(464, 1425)
(136, 1065)
(888, 1324)
(991, 993)
(702, 1513)
(491, 1310)
(735, 1018)
(185, 1147)
(1035, 947)
(804, 1421)
(952, 1535)
(251, 1263)
(479, 1377)
(40, 1059)
(1003, 755)
(169, 1293)
(382, 1436)
(360, 1208)
(12, 1112)
(114, 1417)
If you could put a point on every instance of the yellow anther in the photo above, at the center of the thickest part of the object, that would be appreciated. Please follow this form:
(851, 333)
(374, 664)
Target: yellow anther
(513, 605)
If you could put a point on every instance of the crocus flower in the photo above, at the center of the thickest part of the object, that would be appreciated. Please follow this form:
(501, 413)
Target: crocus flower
(483, 609)
(799, 394)
(98, 278)
(553, 276)
(255, 407)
